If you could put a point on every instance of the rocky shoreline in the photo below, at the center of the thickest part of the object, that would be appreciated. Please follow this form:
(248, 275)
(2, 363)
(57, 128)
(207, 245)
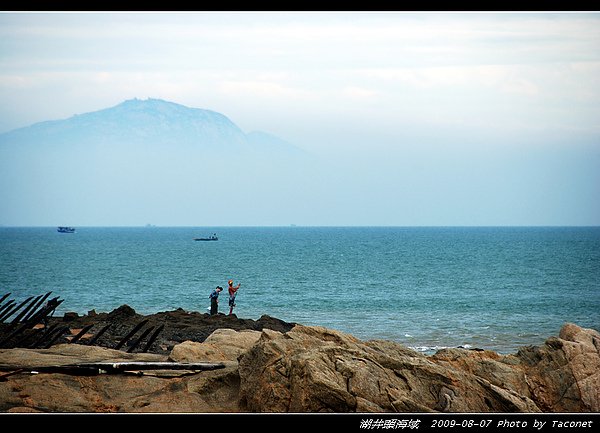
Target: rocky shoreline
(268, 365)
(175, 327)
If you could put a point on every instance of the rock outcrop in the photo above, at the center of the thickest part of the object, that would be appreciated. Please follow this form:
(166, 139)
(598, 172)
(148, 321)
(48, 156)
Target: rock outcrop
(563, 375)
(175, 327)
(311, 369)
(319, 370)
(314, 369)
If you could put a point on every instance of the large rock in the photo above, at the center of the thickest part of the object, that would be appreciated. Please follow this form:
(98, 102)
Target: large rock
(67, 393)
(564, 374)
(221, 345)
(313, 369)
(582, 350)
(207, 391)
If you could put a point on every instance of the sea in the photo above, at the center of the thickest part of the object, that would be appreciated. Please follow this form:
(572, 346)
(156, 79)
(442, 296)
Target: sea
(495, 288)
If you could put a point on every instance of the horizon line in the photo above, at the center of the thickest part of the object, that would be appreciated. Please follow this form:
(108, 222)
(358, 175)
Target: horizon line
(315, 226)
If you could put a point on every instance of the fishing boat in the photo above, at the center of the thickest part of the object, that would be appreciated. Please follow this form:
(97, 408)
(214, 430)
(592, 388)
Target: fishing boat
(210, 238)
(65, 229)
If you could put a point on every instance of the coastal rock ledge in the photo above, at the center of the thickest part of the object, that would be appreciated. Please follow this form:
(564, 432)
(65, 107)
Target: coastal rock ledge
(314, 369)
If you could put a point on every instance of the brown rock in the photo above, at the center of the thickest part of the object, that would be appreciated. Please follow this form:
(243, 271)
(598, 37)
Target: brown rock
(494, 371)
(69, 316)
(313, 369)
(210, 391)
(564, 374)
(582, 350)
(221, 345)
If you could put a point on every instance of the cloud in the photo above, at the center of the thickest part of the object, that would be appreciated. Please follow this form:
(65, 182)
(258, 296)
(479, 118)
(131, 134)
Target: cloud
(361, 93)
(14, 81)
(521, 87)
(102, 77)
(262, 90)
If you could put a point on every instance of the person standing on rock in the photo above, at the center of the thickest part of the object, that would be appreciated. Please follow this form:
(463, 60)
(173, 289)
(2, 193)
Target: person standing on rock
(214, 300)
(232, 295)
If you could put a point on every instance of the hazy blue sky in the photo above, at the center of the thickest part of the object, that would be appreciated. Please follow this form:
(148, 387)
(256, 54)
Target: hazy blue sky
(429, 119)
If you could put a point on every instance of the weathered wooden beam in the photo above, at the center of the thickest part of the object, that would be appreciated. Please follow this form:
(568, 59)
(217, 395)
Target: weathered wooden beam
(98, 335)
(157, 365)
(81, 334)
(5, 308)
(22, 314)
(4, 297)
(46, 310)
(116, 367)
(24, 340)
(14, 310)
(29, 315)
(138, 341)
(13, 335)
(153, 338)
(47, 333)
(56, 336)
(131, 334)
(37, 306)
(9, 311)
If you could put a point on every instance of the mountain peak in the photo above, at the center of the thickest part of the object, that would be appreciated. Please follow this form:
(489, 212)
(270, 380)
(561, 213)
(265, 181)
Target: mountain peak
(136, 103)
(160, 107)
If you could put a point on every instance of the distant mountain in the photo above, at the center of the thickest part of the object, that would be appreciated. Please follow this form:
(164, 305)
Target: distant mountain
(147, 160)
(148, 122)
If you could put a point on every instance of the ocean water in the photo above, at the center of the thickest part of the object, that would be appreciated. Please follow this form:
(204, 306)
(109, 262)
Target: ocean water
(496, 288)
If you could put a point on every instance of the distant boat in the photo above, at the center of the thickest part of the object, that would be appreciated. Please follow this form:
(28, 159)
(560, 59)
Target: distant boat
(65, 229)
(210, 238)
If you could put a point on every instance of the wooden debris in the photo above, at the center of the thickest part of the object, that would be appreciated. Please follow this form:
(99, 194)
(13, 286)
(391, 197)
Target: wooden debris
(131, 334)
(96, 368)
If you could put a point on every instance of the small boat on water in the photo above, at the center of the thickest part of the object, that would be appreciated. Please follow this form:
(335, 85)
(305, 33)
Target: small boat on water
(65, 229)
(210, 238)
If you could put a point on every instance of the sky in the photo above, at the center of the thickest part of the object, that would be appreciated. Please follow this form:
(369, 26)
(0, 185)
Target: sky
(419, 118)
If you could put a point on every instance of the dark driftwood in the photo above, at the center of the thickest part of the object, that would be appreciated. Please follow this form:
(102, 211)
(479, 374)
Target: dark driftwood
(4, 297)
(95, 368)
(10, 311)
(17, 308)
(37, 305)
(44, 335)
(154, 365)
(139, 340)
(25, 310)
(153, 338)
(56, 336)
(4, 308)
(81, 334)
(133, 331)
(29, 316)
(98, 335)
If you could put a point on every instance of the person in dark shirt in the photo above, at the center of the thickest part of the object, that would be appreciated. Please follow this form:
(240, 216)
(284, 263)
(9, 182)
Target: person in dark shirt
(214, 300)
